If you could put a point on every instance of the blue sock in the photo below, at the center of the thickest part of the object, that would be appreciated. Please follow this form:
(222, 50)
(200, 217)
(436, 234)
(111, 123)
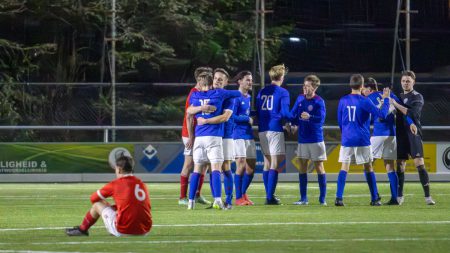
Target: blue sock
(238, 185)
(193, 185)
(373, 180)
(322, 178)
(369, 183)
(265, 179)
(217, 184)
(272, 184)
(246, 181)
(211, 184)
(393, 180)
(341, 184)
(303, 181)
(228, 185)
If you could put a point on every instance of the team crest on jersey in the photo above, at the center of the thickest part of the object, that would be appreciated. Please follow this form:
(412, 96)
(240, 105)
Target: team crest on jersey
(405, 100)
(243, 103)
(310, 107)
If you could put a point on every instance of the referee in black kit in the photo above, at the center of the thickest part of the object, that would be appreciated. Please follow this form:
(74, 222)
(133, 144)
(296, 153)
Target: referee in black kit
(410, 142)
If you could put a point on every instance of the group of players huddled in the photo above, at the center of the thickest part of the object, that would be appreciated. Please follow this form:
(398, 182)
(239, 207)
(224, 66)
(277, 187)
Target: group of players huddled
(223, 133)
(217, 130)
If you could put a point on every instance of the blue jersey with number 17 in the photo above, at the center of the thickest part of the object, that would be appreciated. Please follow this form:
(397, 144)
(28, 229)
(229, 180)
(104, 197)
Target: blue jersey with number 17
(216, 98)
(354, 112)
(272, 105)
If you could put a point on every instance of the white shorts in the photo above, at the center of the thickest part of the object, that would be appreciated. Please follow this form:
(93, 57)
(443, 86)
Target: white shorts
(245, 148)
(228, 149)
(109, 218)
(312, 151)
(208, 149)
(186, 151)
(358, 155)
(272, 143)
(384, 147)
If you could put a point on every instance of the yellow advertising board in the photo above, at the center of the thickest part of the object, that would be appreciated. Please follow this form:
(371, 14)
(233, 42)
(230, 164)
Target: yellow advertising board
(332, 165)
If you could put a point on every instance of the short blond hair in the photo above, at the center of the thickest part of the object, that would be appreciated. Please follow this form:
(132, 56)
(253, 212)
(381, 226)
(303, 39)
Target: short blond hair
(315, 81)
(277, 72)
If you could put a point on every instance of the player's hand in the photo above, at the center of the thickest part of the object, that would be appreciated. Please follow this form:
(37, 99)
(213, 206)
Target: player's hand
(201, 121)
(287, 127)
(190, 143)
(305, 115)
(294, 129)
(208, 108)
(413, 129)
(386, 93)
(250, 121)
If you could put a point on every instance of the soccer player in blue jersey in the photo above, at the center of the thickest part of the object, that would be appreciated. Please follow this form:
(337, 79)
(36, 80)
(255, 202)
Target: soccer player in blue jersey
(354, 112)
(410, 143)
(208, 137)
(245, 148)
(383, 140)
(272, 105)
(309, 115)
(220, 80)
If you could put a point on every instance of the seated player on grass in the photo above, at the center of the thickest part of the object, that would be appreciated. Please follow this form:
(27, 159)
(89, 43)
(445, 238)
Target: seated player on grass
(131, 213)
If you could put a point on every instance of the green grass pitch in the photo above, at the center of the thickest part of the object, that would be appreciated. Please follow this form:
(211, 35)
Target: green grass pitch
(33, 218)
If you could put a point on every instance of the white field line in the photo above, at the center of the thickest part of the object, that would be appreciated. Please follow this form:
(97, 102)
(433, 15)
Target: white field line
(174, 197)
(268, 240)
(443, 222)
(34, 251)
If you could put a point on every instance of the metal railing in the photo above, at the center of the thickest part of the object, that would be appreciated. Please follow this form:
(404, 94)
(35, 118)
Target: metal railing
(106, 129)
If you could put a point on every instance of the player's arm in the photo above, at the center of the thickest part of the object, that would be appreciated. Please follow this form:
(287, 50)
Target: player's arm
(225, 116)
(228, 94)
(294, 112)
(190, 128)
(192, 110)
(382, 112)
(285, 112)
(339, 114)
(102, 194)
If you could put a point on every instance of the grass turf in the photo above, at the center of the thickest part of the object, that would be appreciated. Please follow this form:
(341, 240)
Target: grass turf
(33, 217)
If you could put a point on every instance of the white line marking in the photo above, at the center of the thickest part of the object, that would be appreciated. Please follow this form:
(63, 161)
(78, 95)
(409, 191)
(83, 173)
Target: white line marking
(444, 222)
(34, 251)
(237, 241)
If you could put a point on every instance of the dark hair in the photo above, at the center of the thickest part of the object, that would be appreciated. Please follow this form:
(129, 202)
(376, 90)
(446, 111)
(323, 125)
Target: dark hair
(356, 81)
(241, 75)
(409, 73)
(205, 79)
(200, 70)
(223, 71)
(371, 83)
(126, 163)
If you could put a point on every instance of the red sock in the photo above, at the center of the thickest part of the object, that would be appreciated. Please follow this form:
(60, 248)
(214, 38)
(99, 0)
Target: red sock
(200, 184)
(184, 181)
(88, 221)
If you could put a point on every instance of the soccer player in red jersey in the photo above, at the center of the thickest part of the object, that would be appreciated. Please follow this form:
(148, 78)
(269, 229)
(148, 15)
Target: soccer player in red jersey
(187, 134)
(131, 214)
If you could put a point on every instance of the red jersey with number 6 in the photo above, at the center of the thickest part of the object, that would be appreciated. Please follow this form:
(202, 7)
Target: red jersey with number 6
(132, 201)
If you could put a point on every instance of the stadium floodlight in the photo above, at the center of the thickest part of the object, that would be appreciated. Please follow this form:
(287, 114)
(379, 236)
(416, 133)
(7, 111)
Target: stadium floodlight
(294, 39)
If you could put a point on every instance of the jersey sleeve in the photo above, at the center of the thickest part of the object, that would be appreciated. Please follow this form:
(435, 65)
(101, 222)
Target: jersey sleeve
(339, 113)
(319, 117)
(415, 108)
(103, 193)
(285, 101)
(230, 94)
(229, 104)
(294, 112)
(370, 107)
